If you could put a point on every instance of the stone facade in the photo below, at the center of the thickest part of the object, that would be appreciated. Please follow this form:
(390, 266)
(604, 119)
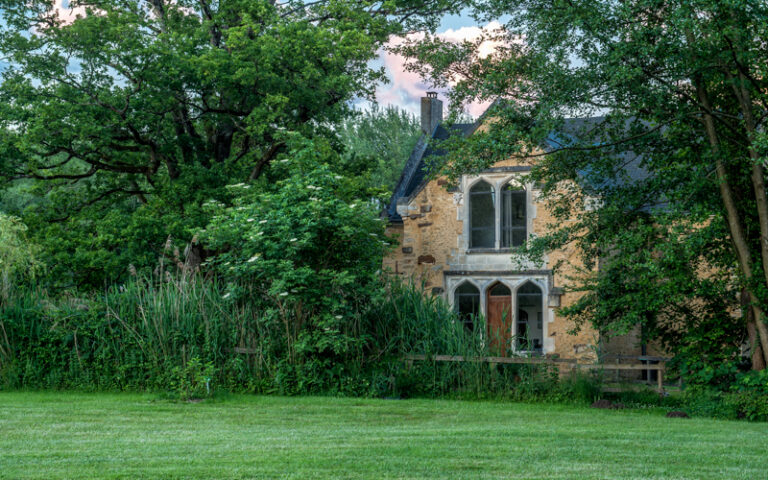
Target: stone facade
(430, 223)
(433, 248)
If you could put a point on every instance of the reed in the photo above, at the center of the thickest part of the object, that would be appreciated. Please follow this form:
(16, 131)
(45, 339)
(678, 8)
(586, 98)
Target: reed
(133, 336)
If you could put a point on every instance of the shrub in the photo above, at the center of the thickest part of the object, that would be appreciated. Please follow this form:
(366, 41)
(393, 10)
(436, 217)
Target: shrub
(193, 380)
(17, 255)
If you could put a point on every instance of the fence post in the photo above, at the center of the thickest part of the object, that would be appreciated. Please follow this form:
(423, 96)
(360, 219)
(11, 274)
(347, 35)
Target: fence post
(660, 378)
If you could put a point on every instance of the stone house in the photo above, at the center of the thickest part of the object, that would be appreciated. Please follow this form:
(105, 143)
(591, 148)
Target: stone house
(461, 244)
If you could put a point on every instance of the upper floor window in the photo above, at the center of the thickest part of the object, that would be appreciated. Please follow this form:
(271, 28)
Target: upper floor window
(482, 216)
(497, 221)
(513, 217)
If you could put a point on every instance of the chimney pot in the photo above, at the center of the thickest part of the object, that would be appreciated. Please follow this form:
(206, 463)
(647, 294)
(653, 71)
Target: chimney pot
(431, 113)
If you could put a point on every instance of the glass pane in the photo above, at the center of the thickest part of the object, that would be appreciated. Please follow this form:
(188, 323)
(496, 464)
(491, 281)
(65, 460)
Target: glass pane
(500, 290)
(529, 295)
(482, 216)
(467, 287)
(518, 237)
(529, 287)
(467, 304)
(530, 328)
(513, 217)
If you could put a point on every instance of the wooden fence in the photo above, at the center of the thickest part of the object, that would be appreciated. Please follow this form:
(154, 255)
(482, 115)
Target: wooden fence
(658, 367)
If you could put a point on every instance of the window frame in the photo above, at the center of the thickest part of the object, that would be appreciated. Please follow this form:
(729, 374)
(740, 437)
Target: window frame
(471, 228)
(517, 184)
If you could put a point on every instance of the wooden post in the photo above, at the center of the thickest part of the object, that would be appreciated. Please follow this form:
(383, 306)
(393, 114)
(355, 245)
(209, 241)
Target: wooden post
(660, 378)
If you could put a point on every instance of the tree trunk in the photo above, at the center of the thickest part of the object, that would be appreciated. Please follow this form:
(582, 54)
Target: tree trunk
(755, 350)
(738, 239)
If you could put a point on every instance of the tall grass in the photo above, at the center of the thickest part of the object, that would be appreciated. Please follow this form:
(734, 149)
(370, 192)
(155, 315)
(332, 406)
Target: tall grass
(129, 336)
(136, 335)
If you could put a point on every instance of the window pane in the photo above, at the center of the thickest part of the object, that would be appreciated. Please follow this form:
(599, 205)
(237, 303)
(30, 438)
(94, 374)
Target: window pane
(530, 317)
(482, 216)
(501, 290)
(467, 303)
(513, 217)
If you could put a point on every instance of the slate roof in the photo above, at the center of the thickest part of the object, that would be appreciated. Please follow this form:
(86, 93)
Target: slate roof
(413, 177)
(415, 170)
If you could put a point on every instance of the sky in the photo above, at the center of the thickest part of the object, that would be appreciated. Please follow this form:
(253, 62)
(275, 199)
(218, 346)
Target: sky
(405, 89)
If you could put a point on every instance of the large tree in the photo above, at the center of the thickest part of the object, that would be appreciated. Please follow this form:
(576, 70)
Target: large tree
(383, 138)
(130, 115)
(682, 230)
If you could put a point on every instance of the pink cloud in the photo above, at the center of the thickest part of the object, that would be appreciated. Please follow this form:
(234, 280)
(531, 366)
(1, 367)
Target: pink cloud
(67, 13)
(406, 88)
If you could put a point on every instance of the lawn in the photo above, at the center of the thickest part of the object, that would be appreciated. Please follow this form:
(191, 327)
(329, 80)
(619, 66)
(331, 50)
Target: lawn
(65, 435)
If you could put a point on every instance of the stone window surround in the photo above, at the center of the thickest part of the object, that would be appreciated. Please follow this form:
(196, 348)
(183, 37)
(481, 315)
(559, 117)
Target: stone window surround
(498, 178)
(484, 281)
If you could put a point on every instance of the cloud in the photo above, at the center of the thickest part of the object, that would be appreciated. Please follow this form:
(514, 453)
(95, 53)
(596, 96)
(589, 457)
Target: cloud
(406, 88)
(66, 12)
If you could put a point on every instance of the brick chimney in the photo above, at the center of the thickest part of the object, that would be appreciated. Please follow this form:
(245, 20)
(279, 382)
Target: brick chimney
(431, 112)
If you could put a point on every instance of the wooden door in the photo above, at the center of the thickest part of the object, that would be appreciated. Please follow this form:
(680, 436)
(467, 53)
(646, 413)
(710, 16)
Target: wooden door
(499, 318)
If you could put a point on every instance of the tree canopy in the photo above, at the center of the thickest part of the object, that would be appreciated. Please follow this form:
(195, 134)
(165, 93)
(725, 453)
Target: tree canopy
(677, 92)
(125, 120)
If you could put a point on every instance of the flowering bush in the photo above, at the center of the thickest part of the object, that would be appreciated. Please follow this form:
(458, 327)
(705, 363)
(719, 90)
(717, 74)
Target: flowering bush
(17, 255)
(307, 250)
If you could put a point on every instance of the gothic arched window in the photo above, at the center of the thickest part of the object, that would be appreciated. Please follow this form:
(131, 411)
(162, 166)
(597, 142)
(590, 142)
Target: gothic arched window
(482, 216)
(466, 301)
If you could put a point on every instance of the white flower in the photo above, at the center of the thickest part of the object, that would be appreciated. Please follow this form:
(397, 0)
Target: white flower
(249, 220)
(339, 317)
(338, 177)
(254, 258)
(263, 221)
(284, 294)
(226, 295)
(373, 234)
(353, 205)
(314, 199)
(294, 239)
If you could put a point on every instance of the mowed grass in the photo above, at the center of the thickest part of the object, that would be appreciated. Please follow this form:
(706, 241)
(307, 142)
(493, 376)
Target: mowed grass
(65, 435)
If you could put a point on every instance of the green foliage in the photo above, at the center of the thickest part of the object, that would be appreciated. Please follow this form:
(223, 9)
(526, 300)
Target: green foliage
(748, 405)
(121, 123)
(193, 380)
(306, 252)
(18, 257)
(128, 337)
(381, 139)
(175, 332)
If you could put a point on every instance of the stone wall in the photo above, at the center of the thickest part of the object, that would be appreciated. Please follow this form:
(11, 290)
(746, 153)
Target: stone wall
(433, 247)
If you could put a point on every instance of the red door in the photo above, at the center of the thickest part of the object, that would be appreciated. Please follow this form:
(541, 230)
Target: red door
(499, 319)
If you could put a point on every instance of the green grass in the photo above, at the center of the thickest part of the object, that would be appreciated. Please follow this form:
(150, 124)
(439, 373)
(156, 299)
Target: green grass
(65, 435)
